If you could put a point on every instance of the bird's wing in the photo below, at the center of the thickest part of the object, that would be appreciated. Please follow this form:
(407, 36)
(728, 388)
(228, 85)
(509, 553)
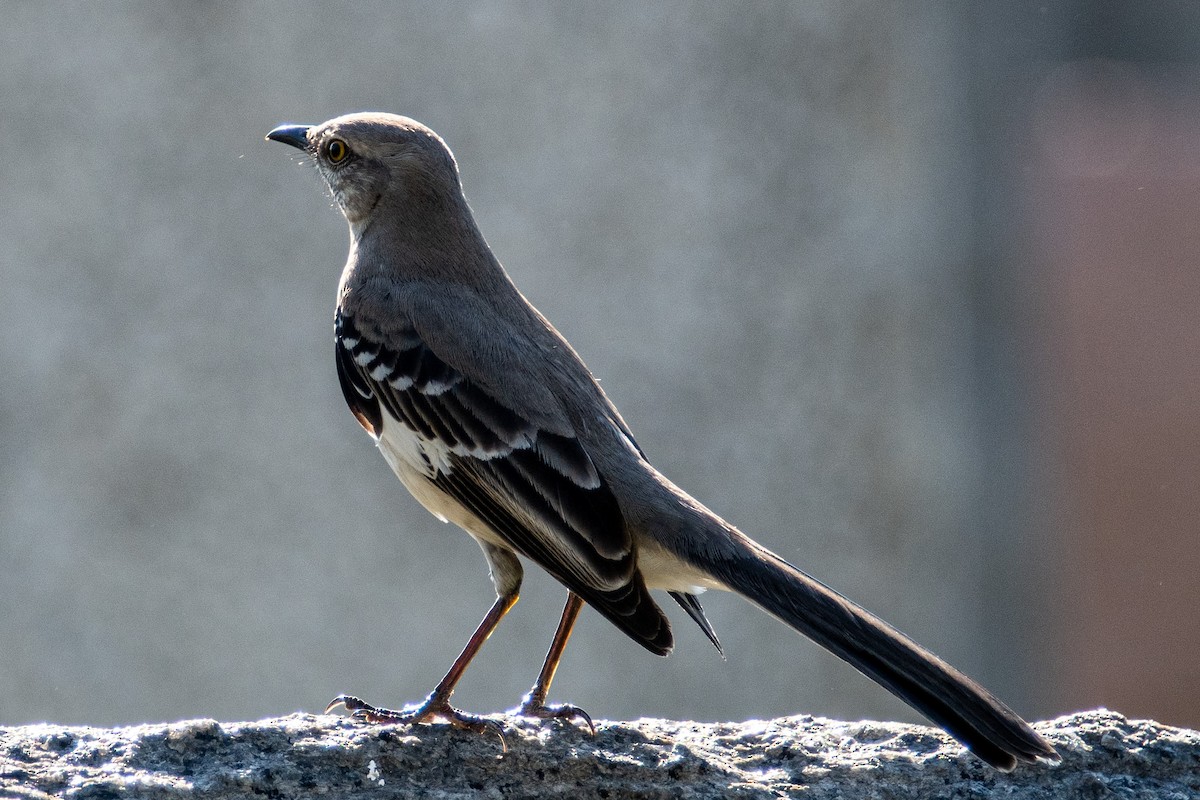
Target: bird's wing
(517, 465)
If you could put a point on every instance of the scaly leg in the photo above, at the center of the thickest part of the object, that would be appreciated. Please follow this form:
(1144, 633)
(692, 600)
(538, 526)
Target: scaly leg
(534, 703)
(437, 704)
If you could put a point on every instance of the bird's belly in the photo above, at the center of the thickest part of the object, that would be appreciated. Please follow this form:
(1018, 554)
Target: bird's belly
(416, 461)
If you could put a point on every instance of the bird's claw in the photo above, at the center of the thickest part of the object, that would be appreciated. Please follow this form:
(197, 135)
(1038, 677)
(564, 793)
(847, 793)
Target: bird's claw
(564, 711)
(434, 708)
(346, 701)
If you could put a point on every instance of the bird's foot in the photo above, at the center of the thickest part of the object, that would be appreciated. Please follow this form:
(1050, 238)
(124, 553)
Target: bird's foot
(433, 708)
(531, 706)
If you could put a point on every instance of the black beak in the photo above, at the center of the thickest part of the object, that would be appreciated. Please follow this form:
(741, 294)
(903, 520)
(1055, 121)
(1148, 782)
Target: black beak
(295, 135)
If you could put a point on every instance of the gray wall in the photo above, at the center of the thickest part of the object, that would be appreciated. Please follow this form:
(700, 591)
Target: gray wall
(754, 222)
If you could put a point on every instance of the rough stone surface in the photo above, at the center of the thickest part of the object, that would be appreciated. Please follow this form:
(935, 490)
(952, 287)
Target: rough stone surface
(306, 756)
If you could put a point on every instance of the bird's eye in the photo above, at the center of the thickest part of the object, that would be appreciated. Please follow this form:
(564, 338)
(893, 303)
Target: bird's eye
(336, 151)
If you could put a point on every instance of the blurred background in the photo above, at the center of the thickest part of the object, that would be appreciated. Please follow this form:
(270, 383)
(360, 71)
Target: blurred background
(906, 291)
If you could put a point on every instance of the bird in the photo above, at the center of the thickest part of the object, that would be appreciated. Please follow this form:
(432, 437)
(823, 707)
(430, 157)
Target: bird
(493, 422)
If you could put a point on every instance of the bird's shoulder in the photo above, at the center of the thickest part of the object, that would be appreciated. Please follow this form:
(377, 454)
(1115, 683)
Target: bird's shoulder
(500, 347)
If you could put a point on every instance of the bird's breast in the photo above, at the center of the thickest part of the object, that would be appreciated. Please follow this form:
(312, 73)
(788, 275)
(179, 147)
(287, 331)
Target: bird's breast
(416, 462)
(407, 452)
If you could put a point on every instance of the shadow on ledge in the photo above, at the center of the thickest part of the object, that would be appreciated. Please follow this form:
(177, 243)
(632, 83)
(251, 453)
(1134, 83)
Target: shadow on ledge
(306, 756)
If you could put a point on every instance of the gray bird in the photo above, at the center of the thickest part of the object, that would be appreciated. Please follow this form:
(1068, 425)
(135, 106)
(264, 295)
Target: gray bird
(493, 422)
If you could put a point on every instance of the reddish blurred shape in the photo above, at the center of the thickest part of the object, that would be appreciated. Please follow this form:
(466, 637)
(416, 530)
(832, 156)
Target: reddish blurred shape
(1116, 214)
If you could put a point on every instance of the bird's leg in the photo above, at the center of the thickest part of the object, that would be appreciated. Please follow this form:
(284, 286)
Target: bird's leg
(534, 703)
(437, 704)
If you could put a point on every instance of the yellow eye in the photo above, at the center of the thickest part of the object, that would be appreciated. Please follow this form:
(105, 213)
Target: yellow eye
(336, 151)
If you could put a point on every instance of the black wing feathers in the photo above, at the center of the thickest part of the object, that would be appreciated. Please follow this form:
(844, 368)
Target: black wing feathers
(357, 391)
(629, 607)
(537, 490)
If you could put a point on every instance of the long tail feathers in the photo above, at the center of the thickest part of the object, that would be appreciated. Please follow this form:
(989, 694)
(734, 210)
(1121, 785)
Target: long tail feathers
(961, 706)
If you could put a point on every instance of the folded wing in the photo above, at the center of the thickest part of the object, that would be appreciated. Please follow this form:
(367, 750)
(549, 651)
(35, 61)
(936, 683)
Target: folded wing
(537, 490)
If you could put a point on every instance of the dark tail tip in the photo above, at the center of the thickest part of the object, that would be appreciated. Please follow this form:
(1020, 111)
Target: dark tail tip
(966, 710)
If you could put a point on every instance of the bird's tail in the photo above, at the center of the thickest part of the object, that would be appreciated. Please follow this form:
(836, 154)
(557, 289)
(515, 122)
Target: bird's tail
(958, 704)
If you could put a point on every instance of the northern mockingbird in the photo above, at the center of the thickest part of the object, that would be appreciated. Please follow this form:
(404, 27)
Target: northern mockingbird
(492, 421)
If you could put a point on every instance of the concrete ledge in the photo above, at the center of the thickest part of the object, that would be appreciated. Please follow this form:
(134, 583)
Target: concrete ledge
(306, 756)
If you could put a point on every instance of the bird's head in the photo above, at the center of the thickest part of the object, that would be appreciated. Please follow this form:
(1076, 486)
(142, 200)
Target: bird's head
(375, 161)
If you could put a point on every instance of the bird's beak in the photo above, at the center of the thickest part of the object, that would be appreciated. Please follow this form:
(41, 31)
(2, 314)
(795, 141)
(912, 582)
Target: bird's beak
(295, 135)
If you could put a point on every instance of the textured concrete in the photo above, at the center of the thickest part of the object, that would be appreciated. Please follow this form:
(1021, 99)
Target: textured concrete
(302, 756)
